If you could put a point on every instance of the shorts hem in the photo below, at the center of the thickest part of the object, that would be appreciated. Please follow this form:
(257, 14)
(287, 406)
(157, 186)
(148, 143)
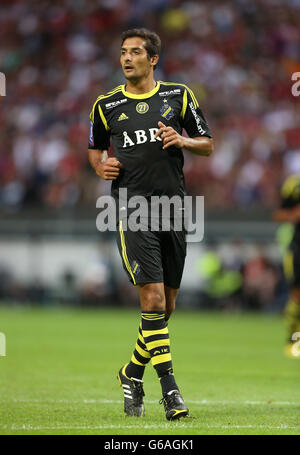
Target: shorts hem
(147, 282)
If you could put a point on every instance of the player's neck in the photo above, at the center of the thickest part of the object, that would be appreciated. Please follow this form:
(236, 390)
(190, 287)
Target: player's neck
(140, 86)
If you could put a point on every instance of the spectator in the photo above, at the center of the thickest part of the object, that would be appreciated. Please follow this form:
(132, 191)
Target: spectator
(238, 56)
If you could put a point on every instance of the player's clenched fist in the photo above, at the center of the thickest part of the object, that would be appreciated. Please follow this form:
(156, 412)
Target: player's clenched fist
(169, 136)
(110, 169)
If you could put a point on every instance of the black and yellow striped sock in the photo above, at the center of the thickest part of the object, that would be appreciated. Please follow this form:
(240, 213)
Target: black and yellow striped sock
(156, 337)
(139, 358)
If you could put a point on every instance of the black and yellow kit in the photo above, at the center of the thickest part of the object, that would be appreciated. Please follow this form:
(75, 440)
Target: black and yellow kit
(290, 197)
(131, 122)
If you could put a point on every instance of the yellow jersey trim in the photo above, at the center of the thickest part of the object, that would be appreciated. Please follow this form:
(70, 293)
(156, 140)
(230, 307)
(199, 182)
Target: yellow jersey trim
(184, 104)
(187, 88)
(107, 95)
(113, 92)
(289, 185)
(103, 118)
(141, 96)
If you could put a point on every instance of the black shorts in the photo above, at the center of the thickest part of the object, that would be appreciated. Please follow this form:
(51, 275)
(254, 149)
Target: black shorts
(291, 265)
(152, 257)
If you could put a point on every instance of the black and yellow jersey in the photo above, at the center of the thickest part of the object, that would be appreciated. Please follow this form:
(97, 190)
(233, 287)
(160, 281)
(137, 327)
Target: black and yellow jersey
(131, 121)
(290, 197)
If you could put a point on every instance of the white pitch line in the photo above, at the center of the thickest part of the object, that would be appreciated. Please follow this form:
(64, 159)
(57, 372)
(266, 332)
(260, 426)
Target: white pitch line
(191, 402)
(143, 427)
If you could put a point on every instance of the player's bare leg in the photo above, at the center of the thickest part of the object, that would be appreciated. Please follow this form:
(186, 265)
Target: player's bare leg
(152, 297)
(170, 295)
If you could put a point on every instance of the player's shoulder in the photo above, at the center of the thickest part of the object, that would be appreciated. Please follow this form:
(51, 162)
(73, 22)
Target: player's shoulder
(113, 94)
(291, 186)
(171, 88)
(107, 100)
(175, 87)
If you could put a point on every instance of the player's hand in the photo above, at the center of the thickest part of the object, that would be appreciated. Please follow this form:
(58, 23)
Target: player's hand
(169, 136)
(110, 169)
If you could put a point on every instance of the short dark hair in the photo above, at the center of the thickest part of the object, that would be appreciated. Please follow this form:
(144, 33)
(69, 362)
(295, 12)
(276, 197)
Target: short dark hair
(153, 43)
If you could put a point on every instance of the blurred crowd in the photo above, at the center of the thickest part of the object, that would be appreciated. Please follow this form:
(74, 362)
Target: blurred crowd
(238, 56)
(233, 276)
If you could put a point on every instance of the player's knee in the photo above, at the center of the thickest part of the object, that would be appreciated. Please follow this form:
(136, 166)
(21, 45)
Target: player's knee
(153, 300)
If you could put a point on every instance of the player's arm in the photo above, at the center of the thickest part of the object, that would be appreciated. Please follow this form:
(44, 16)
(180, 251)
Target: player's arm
(106, 168)
(197, 145)
(290, 215)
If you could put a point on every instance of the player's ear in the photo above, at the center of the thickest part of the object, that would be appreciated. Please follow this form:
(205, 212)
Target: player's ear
(154, 59)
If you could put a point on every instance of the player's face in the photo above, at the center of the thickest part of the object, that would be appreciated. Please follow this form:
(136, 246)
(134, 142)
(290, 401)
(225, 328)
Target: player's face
(134, 59)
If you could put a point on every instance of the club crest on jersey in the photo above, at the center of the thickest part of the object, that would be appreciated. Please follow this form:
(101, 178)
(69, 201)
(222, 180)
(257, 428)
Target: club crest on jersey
(166, 110)
(142, 108)
(91, 138)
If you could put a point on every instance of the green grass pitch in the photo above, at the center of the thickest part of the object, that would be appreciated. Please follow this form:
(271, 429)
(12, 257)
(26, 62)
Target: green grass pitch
(59, 374)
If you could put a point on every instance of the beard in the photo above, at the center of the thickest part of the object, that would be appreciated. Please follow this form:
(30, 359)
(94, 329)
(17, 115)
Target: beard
(136, 77)
(132, 78)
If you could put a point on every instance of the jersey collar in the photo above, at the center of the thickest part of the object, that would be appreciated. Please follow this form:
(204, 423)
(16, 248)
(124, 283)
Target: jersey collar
(140, 96)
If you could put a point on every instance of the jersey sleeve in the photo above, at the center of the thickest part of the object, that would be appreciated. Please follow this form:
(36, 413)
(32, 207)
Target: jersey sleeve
(99, 138)
(290, 192)
(193, 120)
